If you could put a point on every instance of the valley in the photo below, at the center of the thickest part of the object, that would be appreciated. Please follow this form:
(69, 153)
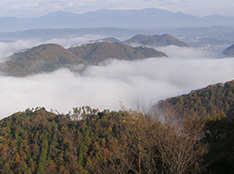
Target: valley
(116, 91)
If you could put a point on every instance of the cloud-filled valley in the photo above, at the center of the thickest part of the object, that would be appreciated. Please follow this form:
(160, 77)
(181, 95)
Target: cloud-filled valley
(116, 82)
(114, 86)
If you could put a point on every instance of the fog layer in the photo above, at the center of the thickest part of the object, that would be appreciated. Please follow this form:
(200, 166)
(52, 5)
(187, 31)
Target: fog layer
(114, 82)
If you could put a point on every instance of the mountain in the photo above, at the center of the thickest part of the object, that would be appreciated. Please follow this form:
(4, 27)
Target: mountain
(89, 141)
(43, 58)
(211, 101)
(152, 18)
(49, 57)
(38, 141)
(109, 39)
(100, 51)
(154, 41)
(229, 51)
(69, 33)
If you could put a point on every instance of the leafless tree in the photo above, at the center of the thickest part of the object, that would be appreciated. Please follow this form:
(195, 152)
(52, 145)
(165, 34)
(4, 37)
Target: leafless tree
(155, 143)
(178, 142)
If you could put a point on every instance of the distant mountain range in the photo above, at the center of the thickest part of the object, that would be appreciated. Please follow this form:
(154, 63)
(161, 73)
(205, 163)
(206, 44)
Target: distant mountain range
(132, 19)
(155, 40)
(215, 38)
(69, 33)
(148, 40)
(49, 57)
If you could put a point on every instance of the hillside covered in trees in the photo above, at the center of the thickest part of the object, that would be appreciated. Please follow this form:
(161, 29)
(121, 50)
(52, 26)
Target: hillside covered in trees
(155, 40)
(97, 52)
(213, 100)
(89, 141)
(49, 57)
(42, 58)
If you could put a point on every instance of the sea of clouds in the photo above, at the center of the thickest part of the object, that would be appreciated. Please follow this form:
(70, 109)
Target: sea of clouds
(113, 83)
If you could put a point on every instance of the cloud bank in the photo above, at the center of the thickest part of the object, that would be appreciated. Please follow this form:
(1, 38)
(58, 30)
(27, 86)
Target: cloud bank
(114, 82)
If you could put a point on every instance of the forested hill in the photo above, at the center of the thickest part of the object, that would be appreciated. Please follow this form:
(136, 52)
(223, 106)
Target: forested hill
(210, 101)
(49, 57)
(97, 52)
(42, 58)
(155, 40)
(91, 142)
(37, 141)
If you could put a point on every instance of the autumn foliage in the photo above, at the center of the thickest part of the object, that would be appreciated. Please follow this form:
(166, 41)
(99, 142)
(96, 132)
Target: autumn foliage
(89, 141)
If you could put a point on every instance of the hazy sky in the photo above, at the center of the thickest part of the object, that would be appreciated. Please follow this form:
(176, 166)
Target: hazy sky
(32, 8)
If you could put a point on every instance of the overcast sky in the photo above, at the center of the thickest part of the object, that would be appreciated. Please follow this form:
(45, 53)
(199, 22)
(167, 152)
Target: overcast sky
(32, 8)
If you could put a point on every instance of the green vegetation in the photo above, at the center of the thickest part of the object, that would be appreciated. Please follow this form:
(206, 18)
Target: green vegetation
(208, 102)
(49, 57)
(155, 40)
(219, 135)
(38, 141)
(193, 133)
(100, 51)
(43, 58)
(89, 141)
(214, 103)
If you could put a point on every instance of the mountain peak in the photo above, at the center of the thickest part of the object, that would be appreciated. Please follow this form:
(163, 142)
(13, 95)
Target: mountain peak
(100, 51)
(49, 57)
(155, 40)
(59, 14)
(42, 58)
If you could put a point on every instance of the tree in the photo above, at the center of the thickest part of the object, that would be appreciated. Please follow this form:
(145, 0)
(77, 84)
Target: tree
(219, 137)
(177, 142)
